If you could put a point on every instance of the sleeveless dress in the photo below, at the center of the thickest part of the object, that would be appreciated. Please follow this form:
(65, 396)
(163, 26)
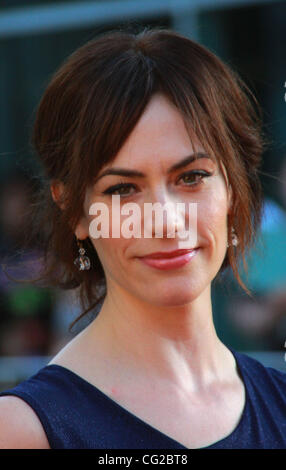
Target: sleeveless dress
(77, 415)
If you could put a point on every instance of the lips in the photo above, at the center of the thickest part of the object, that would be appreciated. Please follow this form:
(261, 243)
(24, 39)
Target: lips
(169, 254)
(169, 260)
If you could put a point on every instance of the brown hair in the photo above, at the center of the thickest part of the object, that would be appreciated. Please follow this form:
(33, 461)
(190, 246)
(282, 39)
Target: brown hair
(92, 104)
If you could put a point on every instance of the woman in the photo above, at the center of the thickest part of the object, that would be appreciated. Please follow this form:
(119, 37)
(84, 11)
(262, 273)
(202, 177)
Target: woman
(153, 118)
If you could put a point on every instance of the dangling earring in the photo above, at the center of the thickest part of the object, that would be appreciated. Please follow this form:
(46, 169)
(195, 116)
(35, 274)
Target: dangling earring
(234, 239)
(82, 261)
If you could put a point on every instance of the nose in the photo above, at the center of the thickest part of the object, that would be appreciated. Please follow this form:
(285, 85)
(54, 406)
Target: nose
(164, 216)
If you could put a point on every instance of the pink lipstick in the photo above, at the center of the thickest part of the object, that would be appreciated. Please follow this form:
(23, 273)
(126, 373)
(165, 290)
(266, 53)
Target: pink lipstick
(169, 260)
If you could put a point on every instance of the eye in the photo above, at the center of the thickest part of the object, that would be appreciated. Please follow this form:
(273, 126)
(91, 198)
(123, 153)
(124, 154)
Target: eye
(120, 189)
(194, 178)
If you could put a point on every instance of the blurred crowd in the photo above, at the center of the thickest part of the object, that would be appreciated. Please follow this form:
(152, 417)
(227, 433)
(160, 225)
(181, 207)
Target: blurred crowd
(32, 320)
(259, 322)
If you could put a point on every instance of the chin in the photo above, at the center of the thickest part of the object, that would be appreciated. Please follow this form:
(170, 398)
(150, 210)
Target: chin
(174, 294)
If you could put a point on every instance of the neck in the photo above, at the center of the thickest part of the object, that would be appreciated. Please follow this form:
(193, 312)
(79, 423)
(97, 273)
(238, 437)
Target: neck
(175, 343)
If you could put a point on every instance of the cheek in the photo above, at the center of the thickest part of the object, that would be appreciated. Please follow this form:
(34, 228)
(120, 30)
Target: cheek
(112, 247)
(111, 253)
(212, 217)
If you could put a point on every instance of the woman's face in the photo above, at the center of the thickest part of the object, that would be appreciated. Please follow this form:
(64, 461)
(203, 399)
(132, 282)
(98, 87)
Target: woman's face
(158, 142)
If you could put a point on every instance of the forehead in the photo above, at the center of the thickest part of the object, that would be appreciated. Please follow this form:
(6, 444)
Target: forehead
(159, 137)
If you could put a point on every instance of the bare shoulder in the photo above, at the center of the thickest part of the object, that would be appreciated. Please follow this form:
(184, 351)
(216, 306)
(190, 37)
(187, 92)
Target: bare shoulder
(20, 427)
(74, 354)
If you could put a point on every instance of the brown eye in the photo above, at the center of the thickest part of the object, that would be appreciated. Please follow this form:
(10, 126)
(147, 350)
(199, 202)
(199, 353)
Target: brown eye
(194, 178)
(121, 189)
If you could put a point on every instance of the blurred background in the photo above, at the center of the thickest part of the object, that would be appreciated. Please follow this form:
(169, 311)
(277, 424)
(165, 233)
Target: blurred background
(35, 37)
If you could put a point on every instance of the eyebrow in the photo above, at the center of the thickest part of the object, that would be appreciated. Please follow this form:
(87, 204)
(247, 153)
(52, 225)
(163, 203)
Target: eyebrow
(135, 173)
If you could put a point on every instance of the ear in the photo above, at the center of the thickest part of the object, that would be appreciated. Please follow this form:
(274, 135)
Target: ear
(57, 190)
(230, 198)
(228, 188)
(81, 230)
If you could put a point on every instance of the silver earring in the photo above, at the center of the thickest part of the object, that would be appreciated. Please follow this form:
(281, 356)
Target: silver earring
(234, 239)
(82, 261)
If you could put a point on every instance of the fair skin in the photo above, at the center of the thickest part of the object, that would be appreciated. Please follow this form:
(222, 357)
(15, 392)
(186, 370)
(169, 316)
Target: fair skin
(153, 348)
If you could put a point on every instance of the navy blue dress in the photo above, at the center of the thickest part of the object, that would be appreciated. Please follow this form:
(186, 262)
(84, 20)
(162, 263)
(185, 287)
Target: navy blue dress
(77, 415)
